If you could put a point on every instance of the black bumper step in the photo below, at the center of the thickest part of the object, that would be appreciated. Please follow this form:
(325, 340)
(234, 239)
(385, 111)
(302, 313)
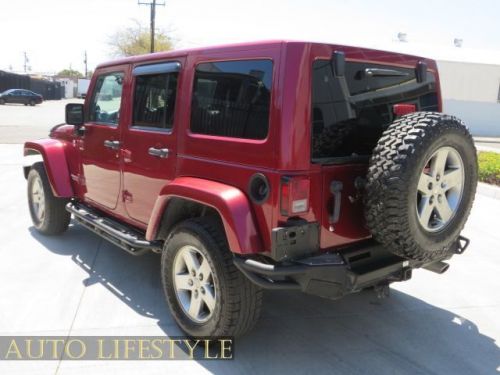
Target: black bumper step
(122, 236)
(330, 275)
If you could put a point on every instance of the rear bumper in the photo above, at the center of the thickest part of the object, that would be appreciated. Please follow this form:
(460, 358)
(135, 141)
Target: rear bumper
(330, 275)
(333, 275)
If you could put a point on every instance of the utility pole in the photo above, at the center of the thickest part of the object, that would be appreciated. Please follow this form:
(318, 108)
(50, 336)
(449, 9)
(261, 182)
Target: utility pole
(26, 61)
(152, 5)
(85, 62)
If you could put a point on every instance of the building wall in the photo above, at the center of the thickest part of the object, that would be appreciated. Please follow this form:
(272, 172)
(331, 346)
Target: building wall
(471, 92)
(69, 87)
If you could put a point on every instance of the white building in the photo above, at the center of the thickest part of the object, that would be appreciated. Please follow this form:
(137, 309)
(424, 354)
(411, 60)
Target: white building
(470, 83)
(69, 86)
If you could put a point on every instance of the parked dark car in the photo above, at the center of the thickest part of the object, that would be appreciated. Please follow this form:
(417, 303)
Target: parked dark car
(20, 96)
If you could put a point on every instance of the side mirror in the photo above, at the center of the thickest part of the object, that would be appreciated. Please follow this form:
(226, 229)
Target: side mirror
(74, 114)
(338, 63)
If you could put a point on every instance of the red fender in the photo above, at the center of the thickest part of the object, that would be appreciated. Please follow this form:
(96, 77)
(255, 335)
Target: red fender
(228, 201)
(54, 159)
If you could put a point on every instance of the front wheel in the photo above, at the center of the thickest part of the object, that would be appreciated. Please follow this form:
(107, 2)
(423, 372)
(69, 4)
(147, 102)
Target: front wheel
(32, 102)
(206, 294)
(48, 212)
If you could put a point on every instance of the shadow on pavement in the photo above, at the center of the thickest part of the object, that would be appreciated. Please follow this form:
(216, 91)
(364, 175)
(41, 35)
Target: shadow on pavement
(298, 333)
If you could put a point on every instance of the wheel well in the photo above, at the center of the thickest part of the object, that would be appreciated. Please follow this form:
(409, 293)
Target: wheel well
(180, 209)
(30, 157)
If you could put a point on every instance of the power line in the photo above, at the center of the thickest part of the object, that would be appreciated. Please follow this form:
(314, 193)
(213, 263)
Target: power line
(153, 4)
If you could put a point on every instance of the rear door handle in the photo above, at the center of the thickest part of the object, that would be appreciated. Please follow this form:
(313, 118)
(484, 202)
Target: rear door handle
(158, 152)
(114, 145)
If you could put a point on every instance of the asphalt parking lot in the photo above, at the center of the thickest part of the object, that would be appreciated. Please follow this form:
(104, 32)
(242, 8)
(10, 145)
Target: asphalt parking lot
(78, 284)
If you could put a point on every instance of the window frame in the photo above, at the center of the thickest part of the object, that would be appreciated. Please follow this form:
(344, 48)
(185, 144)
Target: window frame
(226, 137)
(94, 92)
(150, 69)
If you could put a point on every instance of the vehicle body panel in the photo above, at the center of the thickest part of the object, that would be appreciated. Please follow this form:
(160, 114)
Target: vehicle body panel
(53, 152)
(100, 164)
(230, 202)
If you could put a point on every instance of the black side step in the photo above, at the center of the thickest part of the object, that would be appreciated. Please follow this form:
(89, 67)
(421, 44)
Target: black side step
(124, 237)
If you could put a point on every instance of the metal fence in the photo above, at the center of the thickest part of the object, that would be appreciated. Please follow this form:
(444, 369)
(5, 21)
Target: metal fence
(49, 90)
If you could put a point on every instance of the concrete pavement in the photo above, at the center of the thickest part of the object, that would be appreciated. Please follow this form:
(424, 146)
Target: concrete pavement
(19, 123)
(78, 284)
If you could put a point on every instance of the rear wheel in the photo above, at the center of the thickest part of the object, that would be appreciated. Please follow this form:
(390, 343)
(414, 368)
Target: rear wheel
(421, 184)
(48, 212)
(206, 294)
(2, 101)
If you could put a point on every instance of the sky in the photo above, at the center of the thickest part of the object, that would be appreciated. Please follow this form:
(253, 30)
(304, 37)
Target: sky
(55, 33)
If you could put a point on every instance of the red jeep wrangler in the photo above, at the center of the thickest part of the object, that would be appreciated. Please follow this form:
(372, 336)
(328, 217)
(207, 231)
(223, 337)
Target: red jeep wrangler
(279, 165)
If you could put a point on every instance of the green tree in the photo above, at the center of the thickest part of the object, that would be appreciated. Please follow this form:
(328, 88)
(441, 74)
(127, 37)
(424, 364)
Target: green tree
(136, 40)
(70, 73)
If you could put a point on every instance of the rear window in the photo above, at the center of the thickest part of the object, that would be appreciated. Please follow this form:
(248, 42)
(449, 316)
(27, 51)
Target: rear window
(232, 98)
(350, 126)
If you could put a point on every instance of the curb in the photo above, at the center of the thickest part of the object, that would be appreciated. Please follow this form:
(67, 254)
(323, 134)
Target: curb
(488, 190)
(481, 148)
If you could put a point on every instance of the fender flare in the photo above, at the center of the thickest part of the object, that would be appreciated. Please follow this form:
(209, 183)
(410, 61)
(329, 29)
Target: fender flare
(54, 159)
(230, 202)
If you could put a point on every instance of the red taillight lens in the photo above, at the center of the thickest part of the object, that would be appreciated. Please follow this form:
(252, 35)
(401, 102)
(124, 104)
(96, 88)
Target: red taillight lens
(294, 195)
(403, 109)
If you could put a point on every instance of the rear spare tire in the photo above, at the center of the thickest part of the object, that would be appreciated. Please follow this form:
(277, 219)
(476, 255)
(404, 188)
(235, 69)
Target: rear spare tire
(420, 186)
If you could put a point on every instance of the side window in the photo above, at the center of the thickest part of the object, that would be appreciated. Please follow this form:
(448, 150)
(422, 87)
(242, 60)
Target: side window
(106, 99)
(232, 98)
(154, 100)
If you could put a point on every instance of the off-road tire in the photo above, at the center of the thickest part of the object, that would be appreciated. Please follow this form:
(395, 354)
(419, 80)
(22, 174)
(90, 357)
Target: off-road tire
(395, 166)
(239, 301)
(56, 219)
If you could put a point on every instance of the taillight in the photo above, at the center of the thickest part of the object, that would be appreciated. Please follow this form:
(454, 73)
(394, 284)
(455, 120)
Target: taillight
(401, 109)
(294, 198)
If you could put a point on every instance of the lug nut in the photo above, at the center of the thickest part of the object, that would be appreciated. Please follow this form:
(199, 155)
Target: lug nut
(431, 200)
(438, 177)
(200, 277)
(440, 198)
(195, 294)
(429, 186)
(202, 290)
(193, 273)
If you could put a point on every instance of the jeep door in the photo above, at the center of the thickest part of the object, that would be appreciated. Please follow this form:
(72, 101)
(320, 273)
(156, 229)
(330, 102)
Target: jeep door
(149, 138)
(100, 145)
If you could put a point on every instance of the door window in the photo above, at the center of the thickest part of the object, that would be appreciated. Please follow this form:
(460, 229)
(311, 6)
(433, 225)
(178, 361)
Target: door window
(154, 100)
(106, 99)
